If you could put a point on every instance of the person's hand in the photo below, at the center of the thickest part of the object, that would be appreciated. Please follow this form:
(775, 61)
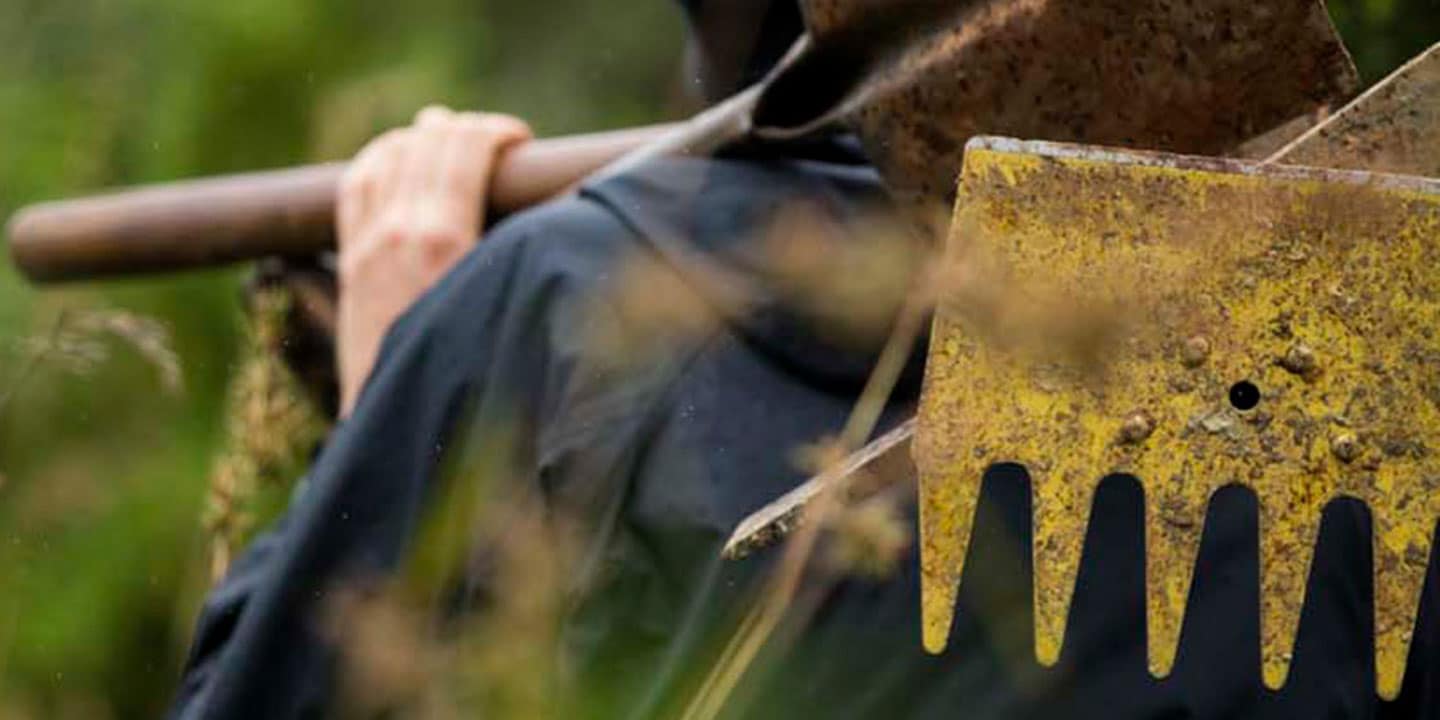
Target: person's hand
(409, 206)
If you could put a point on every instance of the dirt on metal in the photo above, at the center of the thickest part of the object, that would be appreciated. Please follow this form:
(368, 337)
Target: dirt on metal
(1194, 323)
(1394, 127)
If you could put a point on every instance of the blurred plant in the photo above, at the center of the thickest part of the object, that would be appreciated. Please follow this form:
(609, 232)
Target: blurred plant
(271, 432)
(76, 344)
(390, 657)
(648, 309)
(105, 476)
(850, 279)
(407, 652)
(101, 92)
(868, 538)
(501, 660)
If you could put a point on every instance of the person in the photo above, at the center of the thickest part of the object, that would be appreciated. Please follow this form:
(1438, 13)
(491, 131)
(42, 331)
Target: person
(661, 454)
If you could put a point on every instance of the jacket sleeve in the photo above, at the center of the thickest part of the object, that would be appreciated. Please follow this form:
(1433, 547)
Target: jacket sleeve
(483, 342)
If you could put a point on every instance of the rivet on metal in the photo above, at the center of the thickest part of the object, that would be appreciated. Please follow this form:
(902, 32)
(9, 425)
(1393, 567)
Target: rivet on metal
(1195, 351)
(1346, 447)
(1300, 360)
(1138, 426)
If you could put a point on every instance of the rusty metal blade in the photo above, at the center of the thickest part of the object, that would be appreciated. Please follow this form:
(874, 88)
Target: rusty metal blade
(945, 538)
(1155, 74)
(1393, 127)
(1257, 324)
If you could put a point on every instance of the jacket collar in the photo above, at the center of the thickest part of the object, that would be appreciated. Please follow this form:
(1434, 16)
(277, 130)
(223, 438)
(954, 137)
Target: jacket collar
(708, 218)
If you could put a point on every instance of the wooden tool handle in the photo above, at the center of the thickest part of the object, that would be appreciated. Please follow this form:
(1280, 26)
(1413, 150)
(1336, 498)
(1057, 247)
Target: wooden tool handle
(280, 212)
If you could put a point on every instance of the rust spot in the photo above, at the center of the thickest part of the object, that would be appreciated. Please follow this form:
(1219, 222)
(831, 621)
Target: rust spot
(1136, 73)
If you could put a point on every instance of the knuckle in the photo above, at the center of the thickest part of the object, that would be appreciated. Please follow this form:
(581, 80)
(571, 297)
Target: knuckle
(375, 152)
(391, 235)
(389, 139)
(508, 126)
(396, 141)
(489, 131)
(459, 189)
(471, 121)
(434, 115)
(441, 250)
(353, 183)
(478, 124)
(357, 261)
(380, 234)
(433, 237)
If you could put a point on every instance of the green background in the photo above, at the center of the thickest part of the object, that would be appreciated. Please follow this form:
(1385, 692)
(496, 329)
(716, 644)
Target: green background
(102, 473)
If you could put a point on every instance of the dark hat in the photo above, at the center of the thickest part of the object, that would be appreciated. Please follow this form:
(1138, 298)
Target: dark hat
(733, 43)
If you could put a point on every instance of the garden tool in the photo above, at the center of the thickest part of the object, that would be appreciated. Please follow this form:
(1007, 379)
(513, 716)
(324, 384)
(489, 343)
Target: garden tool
(913, 78)
(1193, 322)
(1393, 127)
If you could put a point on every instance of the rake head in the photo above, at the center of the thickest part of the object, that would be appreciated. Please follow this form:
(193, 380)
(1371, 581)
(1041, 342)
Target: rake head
(1194, 323)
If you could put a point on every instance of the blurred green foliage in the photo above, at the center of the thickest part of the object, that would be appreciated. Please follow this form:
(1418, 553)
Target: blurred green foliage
(102, 472)
(102, 558)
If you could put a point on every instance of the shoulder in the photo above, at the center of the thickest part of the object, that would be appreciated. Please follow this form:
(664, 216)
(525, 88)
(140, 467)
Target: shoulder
(543, 275)
(531, 264)
(665, 207)
(561, 245)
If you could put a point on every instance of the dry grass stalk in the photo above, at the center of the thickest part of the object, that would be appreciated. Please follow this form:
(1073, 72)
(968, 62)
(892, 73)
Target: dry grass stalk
(404, 655)
(870, 536)
(148, 337)
(852, 290)
(272, 428)
(502, 661)
(387, 653)
(508, 657)
(647, 310)
(867, 538)
(75, 344)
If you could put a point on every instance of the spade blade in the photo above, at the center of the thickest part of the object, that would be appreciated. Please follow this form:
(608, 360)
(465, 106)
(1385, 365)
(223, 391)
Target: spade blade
(919, 78)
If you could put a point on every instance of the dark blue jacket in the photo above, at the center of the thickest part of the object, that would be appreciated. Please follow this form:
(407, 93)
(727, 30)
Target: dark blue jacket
(662, 461)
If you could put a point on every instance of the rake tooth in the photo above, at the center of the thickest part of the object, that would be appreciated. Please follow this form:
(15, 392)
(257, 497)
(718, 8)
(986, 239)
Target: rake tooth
(1173, 525)
(1289, 525)
(948, 502)
(1061, 515)
(1402, 548)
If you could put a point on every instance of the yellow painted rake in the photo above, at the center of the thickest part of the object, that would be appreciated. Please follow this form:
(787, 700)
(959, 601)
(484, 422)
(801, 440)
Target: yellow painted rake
(1193, 322)
(1197, 323)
